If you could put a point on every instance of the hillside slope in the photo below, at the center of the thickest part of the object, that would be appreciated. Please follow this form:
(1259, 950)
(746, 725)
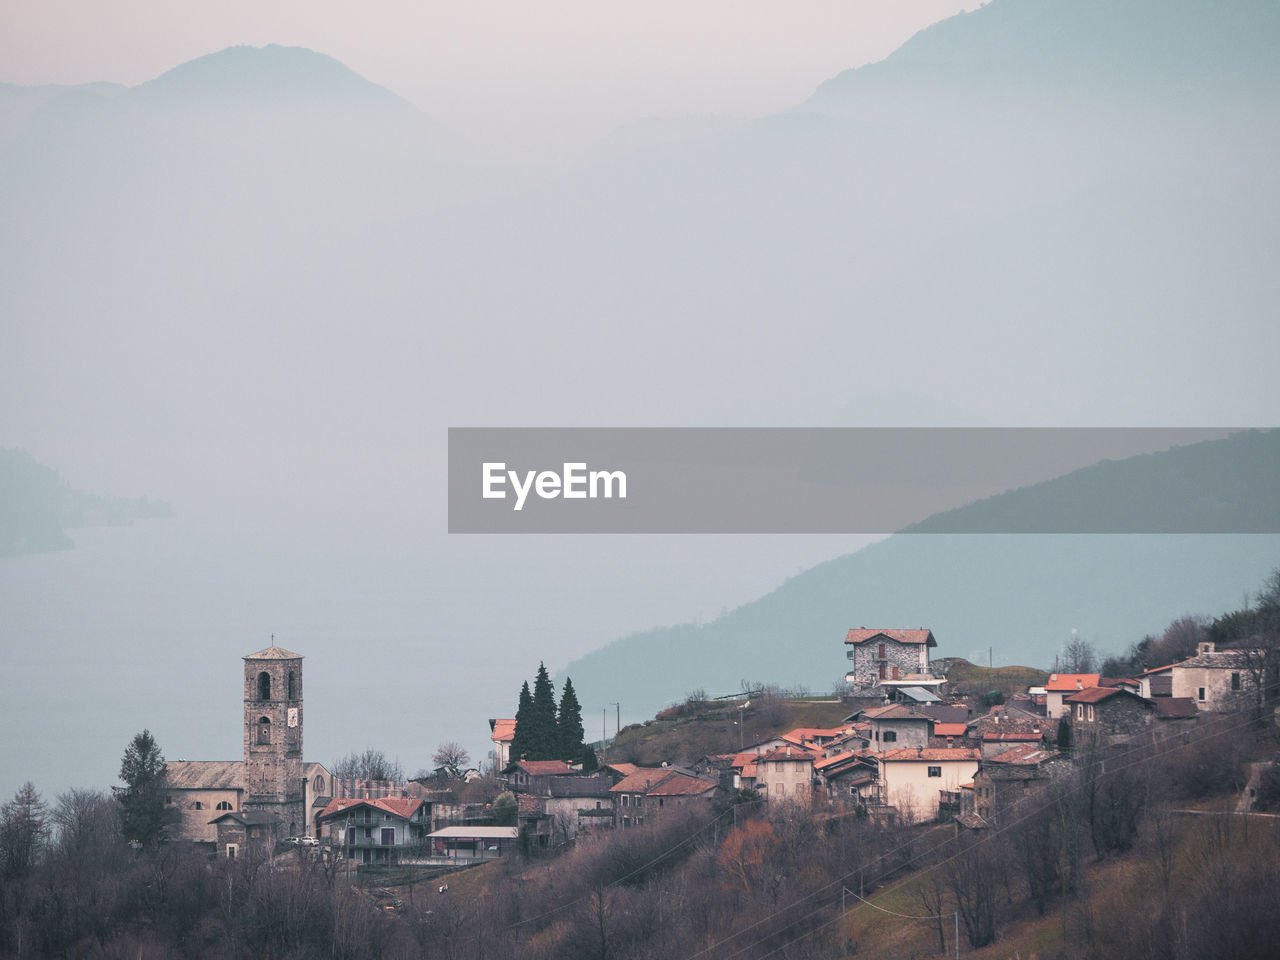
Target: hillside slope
(1017, 596)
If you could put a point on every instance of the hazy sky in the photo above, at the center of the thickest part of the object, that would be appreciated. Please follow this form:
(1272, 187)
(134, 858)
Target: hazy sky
(551, 76)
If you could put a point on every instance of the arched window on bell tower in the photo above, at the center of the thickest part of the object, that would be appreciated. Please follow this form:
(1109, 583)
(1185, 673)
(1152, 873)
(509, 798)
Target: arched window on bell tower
(264, 730)
(292, 688)
(264, 686)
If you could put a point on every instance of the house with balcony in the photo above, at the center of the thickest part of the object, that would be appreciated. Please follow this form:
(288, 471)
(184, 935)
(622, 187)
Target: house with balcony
(382, 830)
(890, 658)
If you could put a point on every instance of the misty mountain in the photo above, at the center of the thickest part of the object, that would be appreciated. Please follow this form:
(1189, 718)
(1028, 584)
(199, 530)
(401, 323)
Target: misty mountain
(1015, 597)
(1048, 47)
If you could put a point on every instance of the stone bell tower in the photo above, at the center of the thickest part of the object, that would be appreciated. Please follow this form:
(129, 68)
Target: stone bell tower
(273, 739)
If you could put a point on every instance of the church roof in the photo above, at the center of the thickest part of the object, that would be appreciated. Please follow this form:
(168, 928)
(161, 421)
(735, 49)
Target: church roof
(274, 653)
(205, 774)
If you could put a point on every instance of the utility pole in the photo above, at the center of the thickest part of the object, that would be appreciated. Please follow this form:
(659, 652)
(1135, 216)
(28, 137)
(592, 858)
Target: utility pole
(617, 723)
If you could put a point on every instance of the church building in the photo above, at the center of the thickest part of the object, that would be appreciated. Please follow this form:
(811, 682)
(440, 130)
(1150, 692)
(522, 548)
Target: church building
(272, 793)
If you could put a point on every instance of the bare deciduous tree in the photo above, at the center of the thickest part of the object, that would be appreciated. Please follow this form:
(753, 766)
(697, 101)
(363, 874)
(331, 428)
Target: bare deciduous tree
(451, 757)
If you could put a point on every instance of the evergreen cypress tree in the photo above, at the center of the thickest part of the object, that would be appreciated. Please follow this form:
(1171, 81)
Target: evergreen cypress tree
(569, 732)
(524, 724)
(542, 740)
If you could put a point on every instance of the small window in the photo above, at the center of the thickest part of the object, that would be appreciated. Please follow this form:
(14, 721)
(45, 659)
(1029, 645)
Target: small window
(1235, 681)
(388, 836)
(264, 686)
(198, 805)
(264, 730)
(292, 694)
(890, 736)
(1200, 695)
(318, 783)
(223, 805)
(368, 833)
(935, 771)
(881, 651)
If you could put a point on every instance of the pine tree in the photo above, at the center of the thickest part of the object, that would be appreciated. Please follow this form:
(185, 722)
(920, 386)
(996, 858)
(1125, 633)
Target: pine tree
(569, 731)
(524, 724)
(542, 737)
(142, 798)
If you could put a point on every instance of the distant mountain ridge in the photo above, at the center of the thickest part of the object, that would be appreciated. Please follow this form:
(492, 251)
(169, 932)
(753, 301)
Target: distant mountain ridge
(1177, 44)
(1018, 595)
(273, 71)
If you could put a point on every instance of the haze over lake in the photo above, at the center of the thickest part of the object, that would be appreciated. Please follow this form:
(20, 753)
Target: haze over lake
(261, 281)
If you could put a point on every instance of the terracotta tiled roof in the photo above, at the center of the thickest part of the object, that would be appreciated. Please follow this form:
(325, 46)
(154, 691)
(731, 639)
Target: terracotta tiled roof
(806, 734)
(626, 769)
(529, 805)
(1023, 754)
(950, 729)
(1098, 694)
(839, 759)
(782, 754)
(642, 780)
(864, 634)
(934, 754)
(504, 731)
(544, 768)
(1012, 737)
(1065, 682)
(1119, 682)
(403, 807)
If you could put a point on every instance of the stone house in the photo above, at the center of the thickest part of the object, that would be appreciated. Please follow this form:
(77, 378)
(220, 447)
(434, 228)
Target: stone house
(887, 655)
(996, 743)
(240, 833)
(849, 779)
(1112, 712)
(571, 804)
(1012, 775)
(897, 726)
(649, 791)
(1222, 679)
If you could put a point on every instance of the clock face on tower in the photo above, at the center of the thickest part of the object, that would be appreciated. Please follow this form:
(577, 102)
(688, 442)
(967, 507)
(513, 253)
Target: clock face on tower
(293, 716)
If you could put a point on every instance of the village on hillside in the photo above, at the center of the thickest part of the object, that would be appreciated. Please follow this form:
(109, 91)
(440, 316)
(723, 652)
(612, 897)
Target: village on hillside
(905, 750)
(1098, 810)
